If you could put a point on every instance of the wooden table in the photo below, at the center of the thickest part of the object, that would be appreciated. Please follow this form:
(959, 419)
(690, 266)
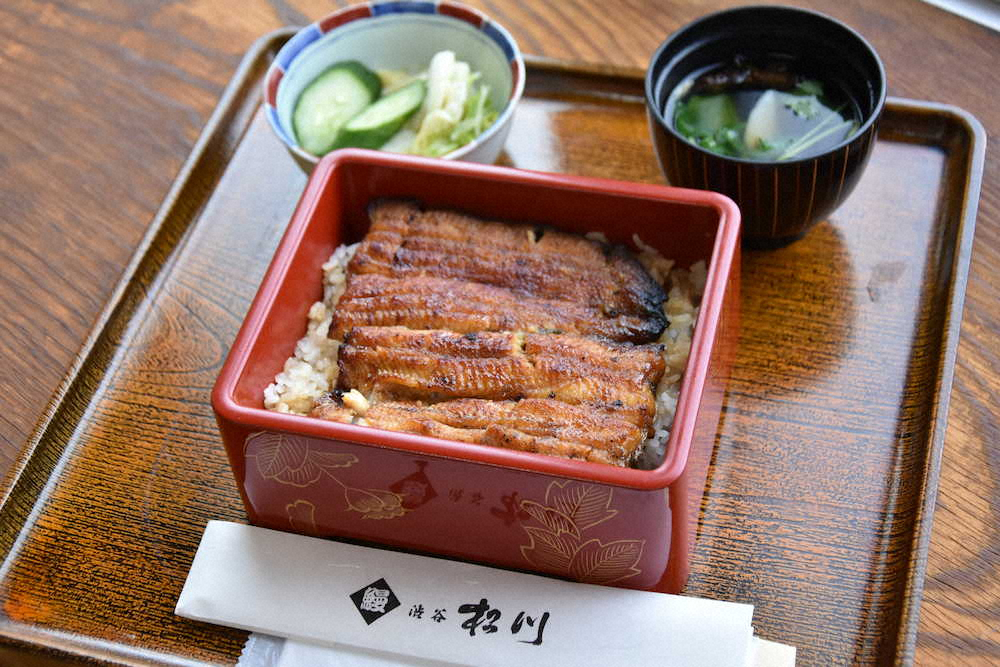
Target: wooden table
(103, 101)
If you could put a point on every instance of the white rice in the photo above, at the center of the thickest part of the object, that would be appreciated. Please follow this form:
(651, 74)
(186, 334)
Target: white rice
(312, 370)
(685, 288)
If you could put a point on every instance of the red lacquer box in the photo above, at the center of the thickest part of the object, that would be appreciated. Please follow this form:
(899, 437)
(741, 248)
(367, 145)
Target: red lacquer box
(584, 521)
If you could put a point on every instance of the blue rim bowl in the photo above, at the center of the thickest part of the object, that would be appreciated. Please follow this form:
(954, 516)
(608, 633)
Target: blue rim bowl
(406, 33)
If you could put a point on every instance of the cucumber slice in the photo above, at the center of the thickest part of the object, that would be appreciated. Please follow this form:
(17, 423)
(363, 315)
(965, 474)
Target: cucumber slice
(375, 125)
(329, 101)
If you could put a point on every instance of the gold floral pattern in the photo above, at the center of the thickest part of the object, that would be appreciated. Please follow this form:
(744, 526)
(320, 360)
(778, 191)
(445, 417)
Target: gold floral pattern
(559, 544)
(302, 517)
(374, 503)
(292, 461)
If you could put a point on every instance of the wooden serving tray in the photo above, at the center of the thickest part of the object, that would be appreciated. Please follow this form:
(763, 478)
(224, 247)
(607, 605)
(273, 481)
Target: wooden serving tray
(825, 472)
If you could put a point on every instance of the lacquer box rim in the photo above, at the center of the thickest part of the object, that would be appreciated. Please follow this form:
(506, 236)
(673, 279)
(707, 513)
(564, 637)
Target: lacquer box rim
(720, 264)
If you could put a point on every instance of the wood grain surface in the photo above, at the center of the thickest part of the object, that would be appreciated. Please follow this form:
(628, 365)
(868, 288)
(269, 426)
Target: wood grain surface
(105, 100)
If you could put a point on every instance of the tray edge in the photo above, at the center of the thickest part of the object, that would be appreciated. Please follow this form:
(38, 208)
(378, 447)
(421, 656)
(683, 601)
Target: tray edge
(909, 619)
(116, 298)
(909, 625)
(117, 306)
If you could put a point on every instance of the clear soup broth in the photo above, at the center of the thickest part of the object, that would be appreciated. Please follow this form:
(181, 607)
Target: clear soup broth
(766, 112)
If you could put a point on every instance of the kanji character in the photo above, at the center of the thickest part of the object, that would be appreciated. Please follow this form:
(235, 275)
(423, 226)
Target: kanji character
(482, 615)
(515, 627)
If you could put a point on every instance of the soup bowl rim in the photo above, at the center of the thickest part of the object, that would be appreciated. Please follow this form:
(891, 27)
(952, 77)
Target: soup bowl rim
(657, 109)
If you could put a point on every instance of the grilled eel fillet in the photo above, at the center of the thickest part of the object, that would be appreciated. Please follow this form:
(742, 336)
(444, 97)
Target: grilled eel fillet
(438, 365)
(405, 242)
(427, 302)
(543, 425)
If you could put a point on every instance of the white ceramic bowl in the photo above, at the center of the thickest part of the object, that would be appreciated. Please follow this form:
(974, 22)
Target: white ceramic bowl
(399, 35)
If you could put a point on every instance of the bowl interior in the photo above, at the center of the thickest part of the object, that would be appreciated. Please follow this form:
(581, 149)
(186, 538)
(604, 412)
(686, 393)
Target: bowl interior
(817, 45)
(340, 216)
(398, 41)
(333, 210)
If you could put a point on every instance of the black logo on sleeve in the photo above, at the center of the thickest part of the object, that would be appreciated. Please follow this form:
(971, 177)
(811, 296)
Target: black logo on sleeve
(374, 601)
